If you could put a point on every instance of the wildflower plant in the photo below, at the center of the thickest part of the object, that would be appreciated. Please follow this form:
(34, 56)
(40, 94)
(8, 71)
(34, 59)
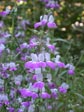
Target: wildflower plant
(30, 74)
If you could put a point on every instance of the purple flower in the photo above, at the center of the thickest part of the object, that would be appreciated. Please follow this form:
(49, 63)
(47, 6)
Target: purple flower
(41, 64)
(24, 23)
(12, 93)
(33, 42)
(1, 105)
(34, 65)
(60, 64)
(3, 98)
(71, 69)
(71, 72)
(51, 64)
(57, 5)
(18, 79)
(4, 13)
(34, 77)
(20, 34)
(44, 95)
(12, 66)
(49, 107)
(34, 95)
(45, 20)
(54, 95)
(6, 35)
(51, 47)
(63, 88)
(36, 25)
(6, 103)
(31, 65)
(3, 37)
(38, 85)
(52, 4)
(26, 103)
(31, 45)
(11, 109)
(51, 85)
(24, 45)
(25, 93)
(20, 110)
(51, 25)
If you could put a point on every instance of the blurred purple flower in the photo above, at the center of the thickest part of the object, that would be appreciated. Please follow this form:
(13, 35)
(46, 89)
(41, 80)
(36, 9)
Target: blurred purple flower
(34, 95)
(44, 95)
(34, 77)
(71, 69)
(38, 85)
(11, 66)
(63, 88)
(71, 72)
(31, 65)
(24, 24)
(36, 25)
(10, 109)
(54, 95)
(49, 107)
(46, 20)
(51, 64)
(51, 47)
(41, 64)
(25, 93)
(51, 25)
(52, 4)
(51, 85)
(24, 45)
(34, 65)
(26, 103)
(4, 13)
(60, 64)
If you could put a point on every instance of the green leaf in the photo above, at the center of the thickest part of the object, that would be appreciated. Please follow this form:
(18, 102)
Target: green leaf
(79, 95)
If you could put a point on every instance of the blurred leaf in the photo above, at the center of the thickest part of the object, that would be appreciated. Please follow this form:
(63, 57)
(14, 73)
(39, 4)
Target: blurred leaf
(79, 95)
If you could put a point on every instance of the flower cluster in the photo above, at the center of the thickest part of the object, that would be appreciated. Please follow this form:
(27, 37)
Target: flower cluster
(30, 68)
(46, 20)
(51, 3)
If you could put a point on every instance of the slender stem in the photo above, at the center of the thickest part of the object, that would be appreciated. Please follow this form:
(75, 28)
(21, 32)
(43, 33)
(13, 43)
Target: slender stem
(37, 109)
(79, 60)
(68, 49)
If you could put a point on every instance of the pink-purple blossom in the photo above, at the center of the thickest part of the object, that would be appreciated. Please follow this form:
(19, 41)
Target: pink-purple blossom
(25, 93)
(63, 88)
(51, 64)
(38, 85)
(44, 95)
(45, 20)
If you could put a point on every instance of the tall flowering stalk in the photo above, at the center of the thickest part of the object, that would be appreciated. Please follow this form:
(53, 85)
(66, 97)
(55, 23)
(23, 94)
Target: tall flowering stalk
(29, 76)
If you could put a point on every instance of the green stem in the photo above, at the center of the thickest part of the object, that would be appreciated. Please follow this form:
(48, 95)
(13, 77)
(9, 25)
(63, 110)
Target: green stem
(79, 60)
